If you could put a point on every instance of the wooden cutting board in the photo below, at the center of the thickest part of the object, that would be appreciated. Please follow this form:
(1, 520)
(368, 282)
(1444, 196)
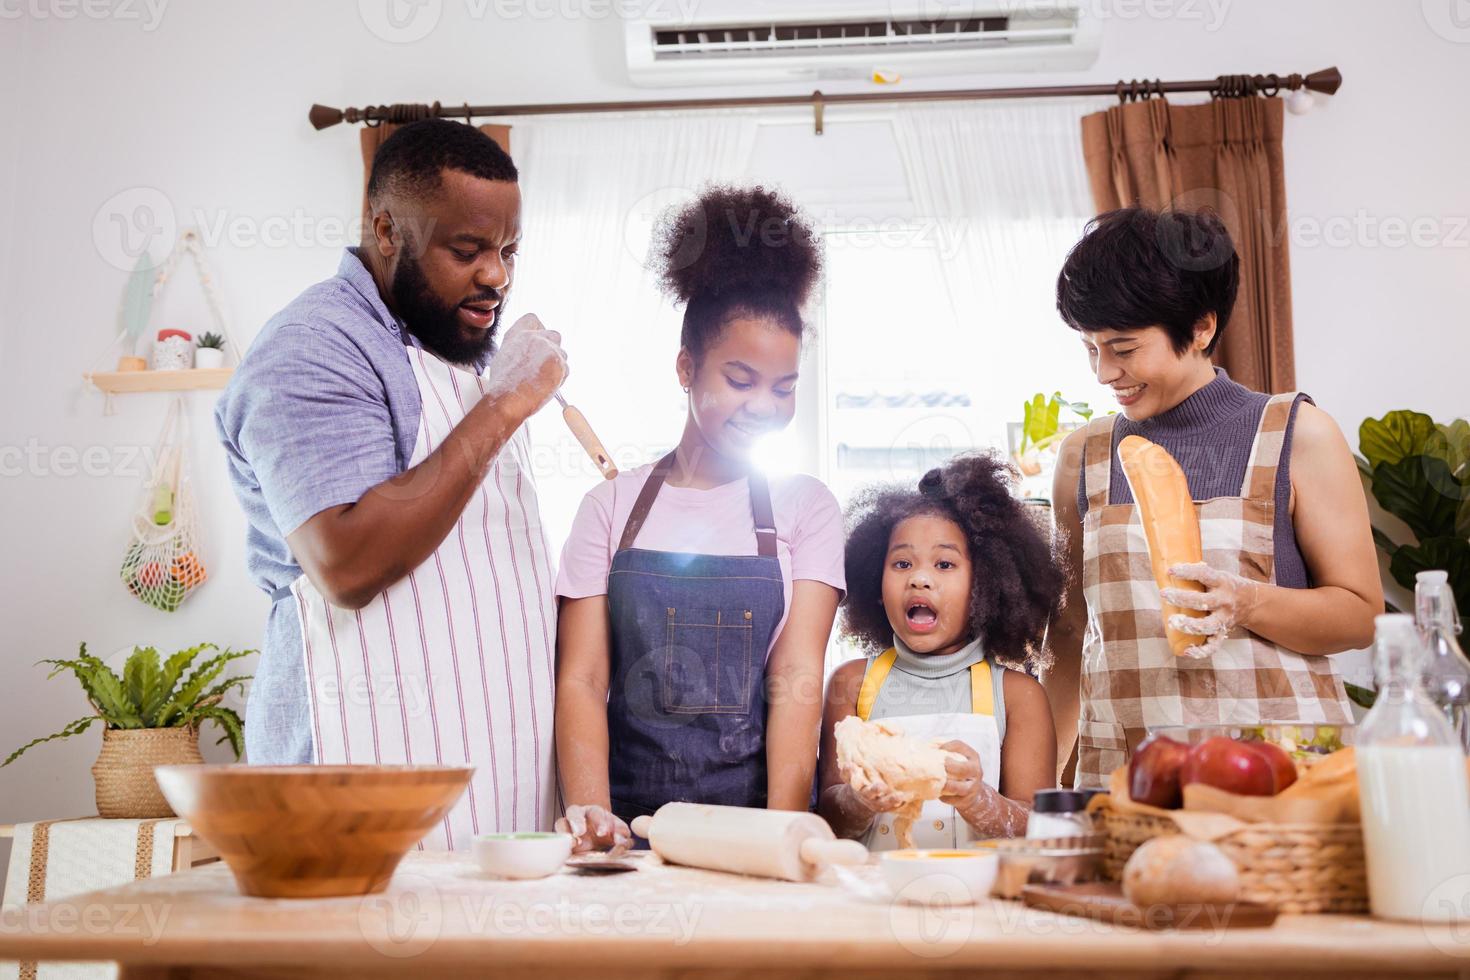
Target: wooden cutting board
(1104, 901)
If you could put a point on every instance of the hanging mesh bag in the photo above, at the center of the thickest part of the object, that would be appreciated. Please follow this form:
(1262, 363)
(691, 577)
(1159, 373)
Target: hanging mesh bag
(162, 566)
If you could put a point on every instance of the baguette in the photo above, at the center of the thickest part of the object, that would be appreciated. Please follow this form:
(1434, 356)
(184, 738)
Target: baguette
(1170, 522)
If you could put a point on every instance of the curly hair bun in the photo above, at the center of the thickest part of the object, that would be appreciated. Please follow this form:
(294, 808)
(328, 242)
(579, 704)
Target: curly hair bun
(738, 242)
(975, 482)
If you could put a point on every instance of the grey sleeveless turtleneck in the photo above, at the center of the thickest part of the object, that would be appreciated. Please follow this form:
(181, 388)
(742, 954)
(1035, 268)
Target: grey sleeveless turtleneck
(1211, 433)
(925, 684)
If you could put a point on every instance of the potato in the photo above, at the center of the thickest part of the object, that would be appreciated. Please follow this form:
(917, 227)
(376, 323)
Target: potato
(1177, 870)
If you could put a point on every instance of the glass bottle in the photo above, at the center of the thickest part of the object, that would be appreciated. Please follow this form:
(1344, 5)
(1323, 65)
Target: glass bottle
(1413, 788)
(1447, 671)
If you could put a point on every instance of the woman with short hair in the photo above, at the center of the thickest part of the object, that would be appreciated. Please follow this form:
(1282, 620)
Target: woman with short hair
(1289, 573)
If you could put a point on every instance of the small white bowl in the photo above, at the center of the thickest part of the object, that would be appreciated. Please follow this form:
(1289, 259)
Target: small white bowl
(939, 877)
(525, 855)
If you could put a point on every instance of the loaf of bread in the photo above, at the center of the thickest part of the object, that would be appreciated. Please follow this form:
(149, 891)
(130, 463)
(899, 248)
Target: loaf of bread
(1166, 510)
(1178, 870)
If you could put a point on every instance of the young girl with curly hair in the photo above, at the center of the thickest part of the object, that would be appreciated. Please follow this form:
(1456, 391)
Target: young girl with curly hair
(950, 586)
(697, 595)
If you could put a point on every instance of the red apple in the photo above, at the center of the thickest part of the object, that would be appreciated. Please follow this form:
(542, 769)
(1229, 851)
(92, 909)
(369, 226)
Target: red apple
(1235, 767)
(1153, 772)
(1283, 769)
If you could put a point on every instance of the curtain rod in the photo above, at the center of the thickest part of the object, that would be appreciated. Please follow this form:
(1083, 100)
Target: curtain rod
(1326, 81)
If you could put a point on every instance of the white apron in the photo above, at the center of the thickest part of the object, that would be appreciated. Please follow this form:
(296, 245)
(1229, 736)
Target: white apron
(452, 665)
(939, 825)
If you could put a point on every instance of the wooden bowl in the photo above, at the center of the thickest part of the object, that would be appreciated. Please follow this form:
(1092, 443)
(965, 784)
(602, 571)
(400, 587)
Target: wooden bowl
(312, 831)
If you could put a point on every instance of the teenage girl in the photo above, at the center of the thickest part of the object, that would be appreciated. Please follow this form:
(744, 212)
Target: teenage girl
(696, 594)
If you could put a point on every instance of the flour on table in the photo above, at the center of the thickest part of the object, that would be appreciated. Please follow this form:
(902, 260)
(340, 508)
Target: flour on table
(878, 753)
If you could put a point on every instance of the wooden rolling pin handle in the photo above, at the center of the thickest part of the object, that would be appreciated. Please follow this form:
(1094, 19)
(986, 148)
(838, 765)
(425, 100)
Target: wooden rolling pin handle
(641, 826)
(577, 422)
(819, 852)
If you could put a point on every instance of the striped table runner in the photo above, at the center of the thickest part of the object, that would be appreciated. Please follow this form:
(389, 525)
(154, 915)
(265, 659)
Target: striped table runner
(51, 859)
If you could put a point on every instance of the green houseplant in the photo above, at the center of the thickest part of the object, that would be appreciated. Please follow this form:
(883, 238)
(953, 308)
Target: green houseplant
(1418, 472)
(209, 351)
(1037, 438)
(1041, 424)
(151, 716)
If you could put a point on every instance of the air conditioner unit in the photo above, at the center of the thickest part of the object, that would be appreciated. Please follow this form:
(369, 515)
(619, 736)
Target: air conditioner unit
(714, 42)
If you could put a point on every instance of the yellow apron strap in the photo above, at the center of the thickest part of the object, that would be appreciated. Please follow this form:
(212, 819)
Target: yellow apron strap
(873, 679)
(982, 694)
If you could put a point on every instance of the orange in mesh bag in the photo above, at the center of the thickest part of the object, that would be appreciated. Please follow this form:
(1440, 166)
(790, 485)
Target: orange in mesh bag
(162, 565)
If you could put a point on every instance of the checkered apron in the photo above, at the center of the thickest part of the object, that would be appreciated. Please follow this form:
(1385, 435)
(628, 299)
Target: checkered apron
(1131, 681)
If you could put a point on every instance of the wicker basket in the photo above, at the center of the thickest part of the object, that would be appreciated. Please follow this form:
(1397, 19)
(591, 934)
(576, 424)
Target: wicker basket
(1295, 868)
(123, 771)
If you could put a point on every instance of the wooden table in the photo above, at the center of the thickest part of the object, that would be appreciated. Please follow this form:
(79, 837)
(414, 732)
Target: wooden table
(441, 918)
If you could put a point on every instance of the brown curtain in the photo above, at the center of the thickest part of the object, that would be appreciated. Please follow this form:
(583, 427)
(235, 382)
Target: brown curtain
(372, 137)
(1226, 155)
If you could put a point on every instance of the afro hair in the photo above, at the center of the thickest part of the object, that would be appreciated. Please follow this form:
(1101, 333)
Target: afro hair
(736, 251)
(1017, 581)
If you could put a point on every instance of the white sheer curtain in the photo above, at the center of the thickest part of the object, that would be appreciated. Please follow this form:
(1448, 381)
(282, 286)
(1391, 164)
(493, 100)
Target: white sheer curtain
(592, 188)
(1005, 186)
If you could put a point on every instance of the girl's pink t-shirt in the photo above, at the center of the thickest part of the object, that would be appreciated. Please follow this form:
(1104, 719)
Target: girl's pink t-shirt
(718, 521)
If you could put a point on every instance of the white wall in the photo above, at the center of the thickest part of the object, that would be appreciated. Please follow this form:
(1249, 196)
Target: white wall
(203, 115)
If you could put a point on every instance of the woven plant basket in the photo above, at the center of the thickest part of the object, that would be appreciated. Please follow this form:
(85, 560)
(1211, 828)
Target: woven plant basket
(1296, 868)
(123, 771)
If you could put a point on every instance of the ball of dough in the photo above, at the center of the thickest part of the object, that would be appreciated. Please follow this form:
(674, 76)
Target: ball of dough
(1176, 870)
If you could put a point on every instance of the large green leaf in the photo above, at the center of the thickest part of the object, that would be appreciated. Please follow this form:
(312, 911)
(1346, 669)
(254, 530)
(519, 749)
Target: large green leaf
(141, 675)
(103, 688)
(217, 692)
(1033, 426)
(1410, 489)
(1080, 409)
(1451, 443)
(1449, 553)
(230, 722)
(1363, 697)
(1396, 435)
(113, 700)
(173, 669)
(193, 688)
(72, 728)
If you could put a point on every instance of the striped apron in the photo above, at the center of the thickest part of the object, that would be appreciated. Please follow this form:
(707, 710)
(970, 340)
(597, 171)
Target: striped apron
(451, 665)
(1131, 681)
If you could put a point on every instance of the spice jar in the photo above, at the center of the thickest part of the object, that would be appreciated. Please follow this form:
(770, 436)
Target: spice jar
(1060, 813)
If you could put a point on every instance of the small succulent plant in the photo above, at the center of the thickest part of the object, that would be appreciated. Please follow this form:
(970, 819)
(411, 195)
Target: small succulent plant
(213, 340)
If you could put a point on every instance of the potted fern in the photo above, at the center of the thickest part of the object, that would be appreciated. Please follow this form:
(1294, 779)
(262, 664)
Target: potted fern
(210, 351)
(151, 717)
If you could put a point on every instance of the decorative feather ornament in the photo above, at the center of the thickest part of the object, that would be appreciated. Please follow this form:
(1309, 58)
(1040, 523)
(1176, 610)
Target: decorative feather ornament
(137, 304)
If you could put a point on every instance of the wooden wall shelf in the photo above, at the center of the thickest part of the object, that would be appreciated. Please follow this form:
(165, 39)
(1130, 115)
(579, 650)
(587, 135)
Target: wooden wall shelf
(128, 382)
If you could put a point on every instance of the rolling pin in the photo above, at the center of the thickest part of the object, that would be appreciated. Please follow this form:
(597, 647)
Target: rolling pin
(768, 843)
(577, 422)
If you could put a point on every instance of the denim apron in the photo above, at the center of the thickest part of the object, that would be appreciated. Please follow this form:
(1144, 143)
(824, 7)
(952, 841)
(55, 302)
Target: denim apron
(686, 711)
